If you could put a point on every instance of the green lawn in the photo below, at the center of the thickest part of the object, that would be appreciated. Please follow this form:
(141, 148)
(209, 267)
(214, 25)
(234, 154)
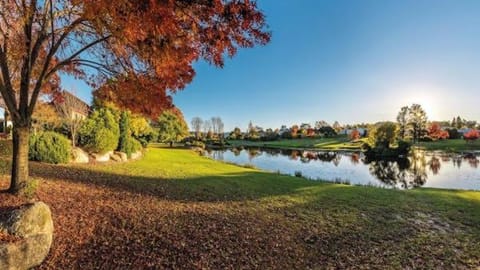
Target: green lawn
(336, 143)
(456, 145)
(175, 209)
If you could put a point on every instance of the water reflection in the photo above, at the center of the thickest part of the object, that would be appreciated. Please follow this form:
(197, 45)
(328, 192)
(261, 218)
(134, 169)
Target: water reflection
(435, 165)
(355, 158)
(402, 173)
(441, 170)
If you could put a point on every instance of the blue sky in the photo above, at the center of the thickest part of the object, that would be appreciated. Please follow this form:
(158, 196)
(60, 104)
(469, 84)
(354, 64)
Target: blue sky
(351, 61)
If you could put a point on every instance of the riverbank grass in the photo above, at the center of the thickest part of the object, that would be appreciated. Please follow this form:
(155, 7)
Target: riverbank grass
(344, 143)
(335, 143)
(176, 209)
(456, 145)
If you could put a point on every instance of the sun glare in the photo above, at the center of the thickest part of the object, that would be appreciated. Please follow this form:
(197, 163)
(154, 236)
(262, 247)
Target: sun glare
(424, 96)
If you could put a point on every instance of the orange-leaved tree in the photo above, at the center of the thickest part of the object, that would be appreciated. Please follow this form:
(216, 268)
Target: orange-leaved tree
(355, 135)
(471, 135)
(435, 132)
(143, 50)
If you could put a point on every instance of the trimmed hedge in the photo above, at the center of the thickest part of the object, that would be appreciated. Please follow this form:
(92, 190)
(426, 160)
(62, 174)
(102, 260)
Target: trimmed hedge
(49, 147)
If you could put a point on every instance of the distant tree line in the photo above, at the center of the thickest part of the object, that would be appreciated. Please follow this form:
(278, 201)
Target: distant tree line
(212, 128)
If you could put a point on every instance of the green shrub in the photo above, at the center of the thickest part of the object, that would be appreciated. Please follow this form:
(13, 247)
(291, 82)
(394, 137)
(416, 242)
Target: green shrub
(102, 141)
(125, 134)
(131, 146)
(100, 132)
(32, 150)
(49, 147)
(135, 145)
(127, 143)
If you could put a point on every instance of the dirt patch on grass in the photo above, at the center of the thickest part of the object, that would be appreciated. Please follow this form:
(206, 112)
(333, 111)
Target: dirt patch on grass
(431, 224)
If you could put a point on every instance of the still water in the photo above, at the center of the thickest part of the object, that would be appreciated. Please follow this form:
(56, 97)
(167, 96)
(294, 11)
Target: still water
(421, 169)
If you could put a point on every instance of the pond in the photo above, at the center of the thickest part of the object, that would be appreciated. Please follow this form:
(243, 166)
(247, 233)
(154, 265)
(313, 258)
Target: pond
(421, 169)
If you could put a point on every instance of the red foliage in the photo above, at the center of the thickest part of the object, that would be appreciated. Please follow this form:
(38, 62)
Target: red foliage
(146, 47)
(166, 38)
(355, 135)
(472, 135)
(435, 132)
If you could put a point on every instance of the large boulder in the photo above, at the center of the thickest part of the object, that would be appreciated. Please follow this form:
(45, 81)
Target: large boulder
(102, 157)
(32, 227)
(122, 155)
(79, 156)
(136, 155)
(115, 157)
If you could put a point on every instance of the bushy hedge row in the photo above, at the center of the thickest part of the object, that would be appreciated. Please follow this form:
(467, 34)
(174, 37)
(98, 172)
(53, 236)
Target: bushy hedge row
(107, 130)
(104, 130)
(49, 147)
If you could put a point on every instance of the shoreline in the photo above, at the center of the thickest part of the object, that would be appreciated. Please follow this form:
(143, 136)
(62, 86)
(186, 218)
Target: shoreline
(339, 150)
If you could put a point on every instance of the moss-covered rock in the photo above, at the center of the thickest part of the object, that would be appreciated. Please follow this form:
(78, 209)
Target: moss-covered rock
(33, 226)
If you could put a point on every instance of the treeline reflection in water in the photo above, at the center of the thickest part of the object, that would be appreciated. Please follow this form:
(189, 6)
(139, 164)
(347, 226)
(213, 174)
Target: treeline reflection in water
(460, 171)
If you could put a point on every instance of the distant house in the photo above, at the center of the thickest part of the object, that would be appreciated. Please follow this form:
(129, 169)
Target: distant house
(70, 104)
(77, 108)
(463, 131)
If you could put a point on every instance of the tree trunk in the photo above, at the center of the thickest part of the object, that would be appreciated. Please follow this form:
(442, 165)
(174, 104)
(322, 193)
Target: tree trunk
(74, 135)
(19, 180)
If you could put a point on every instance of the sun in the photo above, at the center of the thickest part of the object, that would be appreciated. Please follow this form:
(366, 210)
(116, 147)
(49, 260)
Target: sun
(425, 96)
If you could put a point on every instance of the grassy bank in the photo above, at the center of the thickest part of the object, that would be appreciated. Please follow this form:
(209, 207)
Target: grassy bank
(457, 145)
(343, 143)
(175, 209)
(336, 143)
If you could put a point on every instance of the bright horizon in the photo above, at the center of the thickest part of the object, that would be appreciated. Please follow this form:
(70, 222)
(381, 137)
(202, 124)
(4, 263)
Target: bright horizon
(346, 61)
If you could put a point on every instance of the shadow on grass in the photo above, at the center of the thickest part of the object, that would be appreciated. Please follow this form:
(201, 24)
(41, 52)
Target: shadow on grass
(226, 187)
(331, 226)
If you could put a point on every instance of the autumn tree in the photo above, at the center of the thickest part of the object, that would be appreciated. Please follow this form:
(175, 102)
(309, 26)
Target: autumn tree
(435, 132)
(44, 117)
(471, 135)
(138, 51)
(355, 135)
(197, 123)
